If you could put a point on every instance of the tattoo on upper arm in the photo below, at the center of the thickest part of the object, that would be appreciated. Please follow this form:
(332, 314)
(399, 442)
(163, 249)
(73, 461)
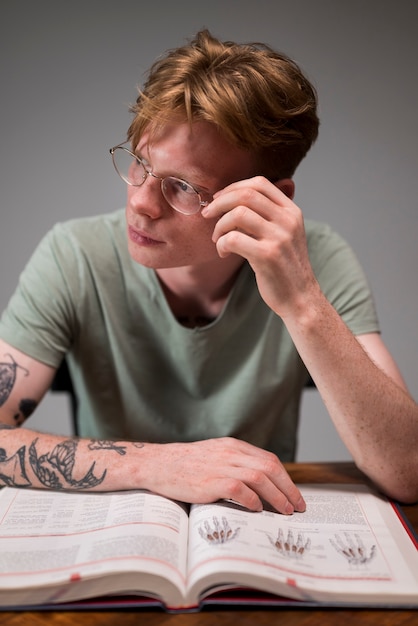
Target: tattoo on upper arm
(7, 381)
(8, 377)
(26, 408)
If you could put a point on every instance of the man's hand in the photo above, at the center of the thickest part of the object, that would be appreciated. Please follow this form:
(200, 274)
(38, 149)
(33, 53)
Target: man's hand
(259, 222)
(215, 469)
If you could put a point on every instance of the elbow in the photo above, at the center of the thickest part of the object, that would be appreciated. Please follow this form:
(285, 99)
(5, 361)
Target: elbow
(396, 476)
(402, 493)
(400, 484)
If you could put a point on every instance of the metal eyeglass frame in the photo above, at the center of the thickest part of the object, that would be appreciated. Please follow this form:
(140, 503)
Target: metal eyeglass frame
(147, 172)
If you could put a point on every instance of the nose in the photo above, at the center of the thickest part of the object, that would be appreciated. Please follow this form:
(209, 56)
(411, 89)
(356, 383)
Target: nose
(149, 173)
(148, 199)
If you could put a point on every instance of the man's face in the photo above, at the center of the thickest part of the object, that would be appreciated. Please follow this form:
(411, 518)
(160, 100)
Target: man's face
(159, 236)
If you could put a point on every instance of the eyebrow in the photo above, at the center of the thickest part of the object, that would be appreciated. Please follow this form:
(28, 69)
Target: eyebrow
(196, 186)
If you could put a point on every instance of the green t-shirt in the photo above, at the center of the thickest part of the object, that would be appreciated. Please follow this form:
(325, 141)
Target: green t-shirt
(141, 375)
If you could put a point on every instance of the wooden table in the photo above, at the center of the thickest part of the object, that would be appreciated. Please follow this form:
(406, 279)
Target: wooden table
(301, 473)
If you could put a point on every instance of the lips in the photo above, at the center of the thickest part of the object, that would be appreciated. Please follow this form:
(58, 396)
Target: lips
(142, 238)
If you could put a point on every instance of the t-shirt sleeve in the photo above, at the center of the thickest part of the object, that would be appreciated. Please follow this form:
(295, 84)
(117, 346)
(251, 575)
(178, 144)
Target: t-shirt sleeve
(342, 279)
(40, 319)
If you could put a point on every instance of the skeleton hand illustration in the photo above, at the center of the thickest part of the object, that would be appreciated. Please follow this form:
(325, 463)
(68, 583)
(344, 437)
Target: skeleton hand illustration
(288, 547)
(353, 549)
(218, 533)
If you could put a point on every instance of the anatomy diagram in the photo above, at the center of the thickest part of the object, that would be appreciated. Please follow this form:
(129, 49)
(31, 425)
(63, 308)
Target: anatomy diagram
(218, 532)
(288, 547)
(353, 549)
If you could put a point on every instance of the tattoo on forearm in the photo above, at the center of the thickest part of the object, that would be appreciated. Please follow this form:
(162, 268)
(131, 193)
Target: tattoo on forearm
(8, 377)
(12, 469)
(101, 444)
(55, 469)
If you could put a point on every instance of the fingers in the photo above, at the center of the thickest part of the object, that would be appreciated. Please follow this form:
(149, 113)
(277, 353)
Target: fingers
(252, 211)
(241, 230)
(251, 192)
(253, 489)
(220, 469)
(257, 475)
(257, 193)
(272, 484)
(255, 220)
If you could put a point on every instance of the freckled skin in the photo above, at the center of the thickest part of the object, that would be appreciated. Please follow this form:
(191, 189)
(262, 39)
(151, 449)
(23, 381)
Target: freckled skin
(206, 160)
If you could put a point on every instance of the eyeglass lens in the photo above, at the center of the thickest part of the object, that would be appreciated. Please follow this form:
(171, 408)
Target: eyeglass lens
(179, 194)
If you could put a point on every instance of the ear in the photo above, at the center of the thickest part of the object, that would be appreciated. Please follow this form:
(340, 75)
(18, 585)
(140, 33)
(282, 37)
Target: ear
(287, 186)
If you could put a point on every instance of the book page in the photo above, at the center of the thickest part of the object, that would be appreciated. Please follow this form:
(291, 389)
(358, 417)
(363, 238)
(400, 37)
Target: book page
(341, 545)
(70, 541)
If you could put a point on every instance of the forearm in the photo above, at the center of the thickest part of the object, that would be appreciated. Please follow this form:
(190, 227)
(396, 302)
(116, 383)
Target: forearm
(39, 460)
(199, 472)
(374, 415)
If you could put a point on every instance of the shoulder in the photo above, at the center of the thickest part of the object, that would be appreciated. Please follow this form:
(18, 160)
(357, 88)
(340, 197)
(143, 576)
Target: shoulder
(333, 260)
(88, 239)
(319, 234)
(109, 226)
(341, 277)
(327, 247)
(85, 251)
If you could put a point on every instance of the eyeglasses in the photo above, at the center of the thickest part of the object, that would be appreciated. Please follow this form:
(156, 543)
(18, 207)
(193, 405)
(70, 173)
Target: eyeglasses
(180, 194)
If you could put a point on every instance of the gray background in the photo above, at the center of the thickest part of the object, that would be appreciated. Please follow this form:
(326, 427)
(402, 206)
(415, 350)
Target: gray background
(69, 69)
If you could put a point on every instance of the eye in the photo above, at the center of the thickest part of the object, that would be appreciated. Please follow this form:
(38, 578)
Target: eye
(181, 186)
(136, 170)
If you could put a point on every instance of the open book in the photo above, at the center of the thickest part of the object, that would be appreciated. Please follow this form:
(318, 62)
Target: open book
(349, 548)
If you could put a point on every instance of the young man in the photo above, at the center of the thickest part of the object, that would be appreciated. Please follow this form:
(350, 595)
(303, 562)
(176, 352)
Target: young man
(191, 322)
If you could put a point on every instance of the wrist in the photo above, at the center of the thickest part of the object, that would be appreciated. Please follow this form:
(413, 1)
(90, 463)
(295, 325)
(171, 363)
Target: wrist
(306, 311)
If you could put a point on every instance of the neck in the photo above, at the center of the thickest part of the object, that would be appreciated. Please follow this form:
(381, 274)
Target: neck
(197, 294)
